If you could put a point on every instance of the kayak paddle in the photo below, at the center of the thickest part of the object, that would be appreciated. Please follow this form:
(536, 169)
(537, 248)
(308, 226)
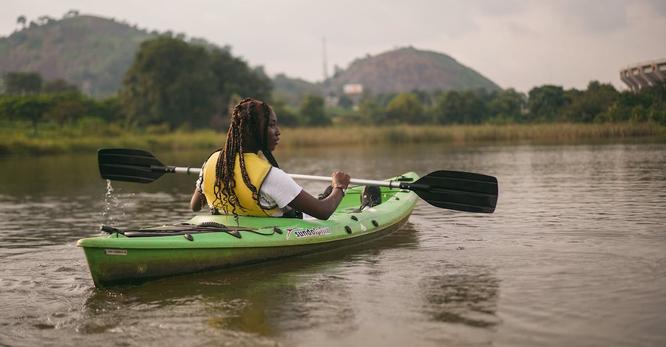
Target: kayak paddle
(455, 190)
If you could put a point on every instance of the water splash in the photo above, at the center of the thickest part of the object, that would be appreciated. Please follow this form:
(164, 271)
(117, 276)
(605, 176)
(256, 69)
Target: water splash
(113, 207)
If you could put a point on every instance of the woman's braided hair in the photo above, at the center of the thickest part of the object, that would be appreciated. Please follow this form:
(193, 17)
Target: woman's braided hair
(244, 135)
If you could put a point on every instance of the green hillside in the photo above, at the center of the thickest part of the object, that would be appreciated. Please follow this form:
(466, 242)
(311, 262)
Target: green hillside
(91, 52)
(407, 69)
(292, 90)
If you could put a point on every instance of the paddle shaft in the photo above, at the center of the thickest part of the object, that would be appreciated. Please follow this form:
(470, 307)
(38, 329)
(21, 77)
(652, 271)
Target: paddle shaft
(362, 182)
(456, 190)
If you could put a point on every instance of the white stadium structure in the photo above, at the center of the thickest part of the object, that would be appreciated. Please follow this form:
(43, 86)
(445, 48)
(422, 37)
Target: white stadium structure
(644, 75)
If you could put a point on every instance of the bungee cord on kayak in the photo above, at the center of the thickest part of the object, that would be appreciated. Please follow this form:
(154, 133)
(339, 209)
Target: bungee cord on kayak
(188, 229)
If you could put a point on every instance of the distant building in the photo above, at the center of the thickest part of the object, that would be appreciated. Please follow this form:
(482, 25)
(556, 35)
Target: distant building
(331, 100)
(352, 93)
(352, 89)
(644, 75)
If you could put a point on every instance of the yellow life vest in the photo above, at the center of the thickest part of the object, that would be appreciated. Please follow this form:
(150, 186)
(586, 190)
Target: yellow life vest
(257, 169)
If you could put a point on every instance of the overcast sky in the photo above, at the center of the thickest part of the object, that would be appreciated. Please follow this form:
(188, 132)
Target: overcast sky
(519, 44)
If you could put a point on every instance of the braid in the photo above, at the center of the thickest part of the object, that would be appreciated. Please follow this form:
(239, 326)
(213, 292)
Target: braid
(244, 125)
(224, 168)
(248, 127)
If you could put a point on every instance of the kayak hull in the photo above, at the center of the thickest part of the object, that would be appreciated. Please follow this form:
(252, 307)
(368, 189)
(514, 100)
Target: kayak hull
(135, 266)
(117, 259)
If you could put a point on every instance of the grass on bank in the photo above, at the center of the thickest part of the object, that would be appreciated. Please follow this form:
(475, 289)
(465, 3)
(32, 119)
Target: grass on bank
(63, 140)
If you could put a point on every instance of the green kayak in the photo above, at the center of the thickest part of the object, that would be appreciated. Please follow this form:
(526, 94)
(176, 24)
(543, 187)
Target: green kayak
(208, 242)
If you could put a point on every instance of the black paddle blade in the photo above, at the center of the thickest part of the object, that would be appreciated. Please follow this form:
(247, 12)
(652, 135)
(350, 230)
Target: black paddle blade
(129, 165)
(457, 190)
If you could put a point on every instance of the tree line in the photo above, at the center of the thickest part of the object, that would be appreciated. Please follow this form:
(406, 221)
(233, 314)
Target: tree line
(172, 83)
(600, 102)
(176, 84)
(28, 98)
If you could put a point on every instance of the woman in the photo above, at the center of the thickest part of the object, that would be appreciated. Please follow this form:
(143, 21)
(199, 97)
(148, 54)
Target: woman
(235, 180)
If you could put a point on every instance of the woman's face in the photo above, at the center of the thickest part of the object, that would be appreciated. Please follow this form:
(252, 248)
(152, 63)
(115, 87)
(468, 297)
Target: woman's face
(273, 132)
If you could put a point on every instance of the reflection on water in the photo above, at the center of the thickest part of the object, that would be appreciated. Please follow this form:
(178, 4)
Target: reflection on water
(461, 296)
(257, 303)
(574, 255)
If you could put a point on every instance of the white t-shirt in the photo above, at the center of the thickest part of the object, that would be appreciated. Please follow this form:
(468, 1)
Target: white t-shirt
(278, 189)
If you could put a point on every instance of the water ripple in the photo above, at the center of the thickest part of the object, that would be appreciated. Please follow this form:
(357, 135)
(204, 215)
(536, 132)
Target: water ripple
(573, 255)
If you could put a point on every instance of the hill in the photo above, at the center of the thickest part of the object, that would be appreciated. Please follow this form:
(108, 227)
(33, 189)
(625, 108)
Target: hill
(94, 53)
(89, 51)
(292, 90)
(407, 69)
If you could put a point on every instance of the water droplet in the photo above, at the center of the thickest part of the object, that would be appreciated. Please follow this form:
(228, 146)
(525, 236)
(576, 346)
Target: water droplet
(113, 207)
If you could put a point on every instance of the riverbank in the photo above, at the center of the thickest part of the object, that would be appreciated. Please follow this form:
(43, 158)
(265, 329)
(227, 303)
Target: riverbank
(55, 143)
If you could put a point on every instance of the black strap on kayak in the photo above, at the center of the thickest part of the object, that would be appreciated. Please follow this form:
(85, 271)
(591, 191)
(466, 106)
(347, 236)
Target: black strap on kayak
(186, 229)
(171, 231)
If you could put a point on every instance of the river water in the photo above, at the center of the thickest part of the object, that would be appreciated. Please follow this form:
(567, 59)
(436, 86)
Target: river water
(575, 254)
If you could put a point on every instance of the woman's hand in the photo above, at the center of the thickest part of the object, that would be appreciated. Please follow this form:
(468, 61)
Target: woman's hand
(322, 209)
(340, 179)
(197, 201)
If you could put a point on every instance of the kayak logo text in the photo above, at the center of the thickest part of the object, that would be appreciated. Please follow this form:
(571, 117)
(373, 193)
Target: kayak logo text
(114, 251)
(308, 232)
